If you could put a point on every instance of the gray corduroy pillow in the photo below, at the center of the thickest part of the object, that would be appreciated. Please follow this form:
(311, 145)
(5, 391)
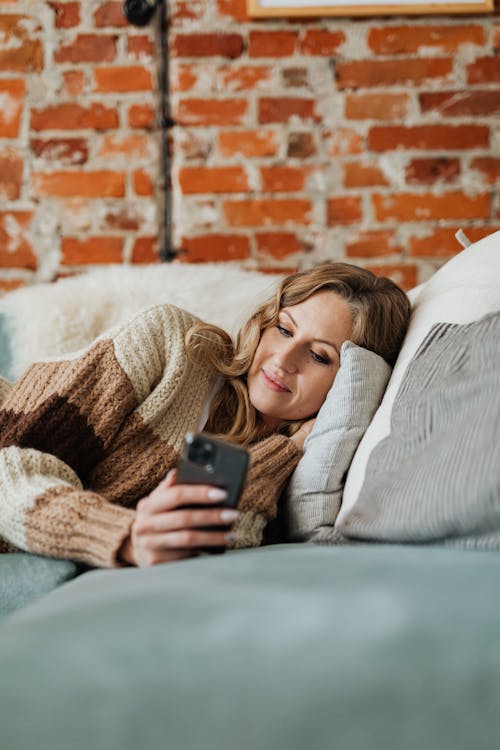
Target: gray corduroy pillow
(314, 493)
(436, 476)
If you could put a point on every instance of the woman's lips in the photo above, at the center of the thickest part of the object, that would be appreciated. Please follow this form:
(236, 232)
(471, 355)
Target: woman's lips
(272, 382)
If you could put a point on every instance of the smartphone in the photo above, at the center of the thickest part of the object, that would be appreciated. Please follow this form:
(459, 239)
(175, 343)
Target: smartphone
(206, 460)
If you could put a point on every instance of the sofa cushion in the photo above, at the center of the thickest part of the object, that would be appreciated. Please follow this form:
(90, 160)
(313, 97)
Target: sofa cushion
(25, 577)
(286, 647)
(314, 494)
(462, 291)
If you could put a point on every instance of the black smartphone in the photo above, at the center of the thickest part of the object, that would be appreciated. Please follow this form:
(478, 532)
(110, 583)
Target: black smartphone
(206, 460)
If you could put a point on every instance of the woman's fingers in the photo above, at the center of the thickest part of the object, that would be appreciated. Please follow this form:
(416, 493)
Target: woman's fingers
(165, 497)
(187, 539)
(184, 519)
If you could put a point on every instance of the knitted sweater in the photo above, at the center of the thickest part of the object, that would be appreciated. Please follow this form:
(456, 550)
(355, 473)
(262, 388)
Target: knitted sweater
(84, 438)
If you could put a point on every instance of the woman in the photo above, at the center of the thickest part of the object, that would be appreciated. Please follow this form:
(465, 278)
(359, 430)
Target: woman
(85, 442)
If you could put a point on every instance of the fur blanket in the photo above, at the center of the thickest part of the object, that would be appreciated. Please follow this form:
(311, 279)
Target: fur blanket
(46, 320)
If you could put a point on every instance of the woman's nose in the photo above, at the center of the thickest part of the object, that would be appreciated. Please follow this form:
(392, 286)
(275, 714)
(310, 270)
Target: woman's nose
(286, 358)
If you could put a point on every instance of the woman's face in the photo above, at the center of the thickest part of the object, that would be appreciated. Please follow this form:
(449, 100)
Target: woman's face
(297, 359)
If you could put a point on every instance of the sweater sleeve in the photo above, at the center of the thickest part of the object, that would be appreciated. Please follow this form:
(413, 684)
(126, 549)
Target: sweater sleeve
(58, 422)
(272, 461)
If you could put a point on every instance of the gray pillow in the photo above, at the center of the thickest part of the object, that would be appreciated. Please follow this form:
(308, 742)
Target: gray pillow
(314, 494)
(436, 476)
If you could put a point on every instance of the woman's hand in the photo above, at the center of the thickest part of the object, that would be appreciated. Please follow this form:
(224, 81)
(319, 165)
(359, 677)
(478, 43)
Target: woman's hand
(164, 530)
(305, 428)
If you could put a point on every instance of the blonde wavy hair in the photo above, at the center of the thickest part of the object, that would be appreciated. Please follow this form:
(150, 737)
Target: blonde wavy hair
(380, 312)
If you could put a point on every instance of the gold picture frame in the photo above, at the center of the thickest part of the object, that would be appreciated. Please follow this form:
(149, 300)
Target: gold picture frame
(289, 8)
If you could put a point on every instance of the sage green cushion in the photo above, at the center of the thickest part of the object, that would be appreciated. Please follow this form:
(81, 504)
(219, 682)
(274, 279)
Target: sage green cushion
(283, 648)
(25, 577)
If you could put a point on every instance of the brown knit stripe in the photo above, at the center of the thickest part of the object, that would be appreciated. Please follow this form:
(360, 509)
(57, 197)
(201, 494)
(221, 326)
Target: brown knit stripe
(75, 381)
(136, 462)
(70, 523)
(275, 457)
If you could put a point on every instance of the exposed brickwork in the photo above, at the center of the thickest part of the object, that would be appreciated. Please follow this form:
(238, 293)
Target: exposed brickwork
(294, 140)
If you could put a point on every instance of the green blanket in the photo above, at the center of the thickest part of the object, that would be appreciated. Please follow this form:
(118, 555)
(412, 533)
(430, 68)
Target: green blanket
(283, 648)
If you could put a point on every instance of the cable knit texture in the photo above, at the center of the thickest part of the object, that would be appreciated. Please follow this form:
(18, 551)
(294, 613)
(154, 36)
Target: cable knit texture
(83, 438)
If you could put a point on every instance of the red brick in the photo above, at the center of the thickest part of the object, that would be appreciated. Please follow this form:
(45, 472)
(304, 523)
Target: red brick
(125, 217)
(18, 50)
(128, 146)
(344, 141)
(428, 207)
(442, 243)
(186, 77)
(363, 175)
(141, 116)
(379, 106)
(283, 109)
(16, 250)
(278, 244)
(489, 166)
(484, 70)
(12, 93)
(320, 42)
(186, 10)
(244, 78)
(365, 73)
(11, 173)
(110, 14)
(280, 179)
(259, 213)
(405, 275)
(207, 45)
(142, 183)
(371, 244)
(145, 250)
(387, 138)
(72, 116)
(73, 82)
(496, 38)
(394, 40)
(295, 77)
(140, 47)
(192, 145)
(272, 43)
(211, 112)
(247, 142)
(301, 145)
(67, 15)
(97, 184)
(212, 247)
(213, 180)
(87, 48)
(344, 210)
(76, 252)
(123, 78)
(236, 9)
(67, 151)
(459, 103)
(430, 171)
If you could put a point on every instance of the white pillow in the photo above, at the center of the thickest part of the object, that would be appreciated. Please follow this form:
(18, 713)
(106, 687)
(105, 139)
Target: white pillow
(314, 493)
(462, 291)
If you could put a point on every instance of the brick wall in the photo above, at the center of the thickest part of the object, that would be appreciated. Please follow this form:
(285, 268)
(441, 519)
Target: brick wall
(370, 140)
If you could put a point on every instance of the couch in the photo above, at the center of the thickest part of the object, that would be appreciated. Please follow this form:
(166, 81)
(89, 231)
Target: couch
(386, 636)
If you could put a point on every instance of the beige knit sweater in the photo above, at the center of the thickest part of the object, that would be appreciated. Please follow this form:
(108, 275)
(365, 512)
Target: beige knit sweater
(82, 439)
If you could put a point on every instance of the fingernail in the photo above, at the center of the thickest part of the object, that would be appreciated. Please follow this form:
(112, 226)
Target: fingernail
(217, 494)
(229, 515)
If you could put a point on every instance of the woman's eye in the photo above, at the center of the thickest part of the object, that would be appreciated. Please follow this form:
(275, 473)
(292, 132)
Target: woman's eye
(319, 358)
(284, 331)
